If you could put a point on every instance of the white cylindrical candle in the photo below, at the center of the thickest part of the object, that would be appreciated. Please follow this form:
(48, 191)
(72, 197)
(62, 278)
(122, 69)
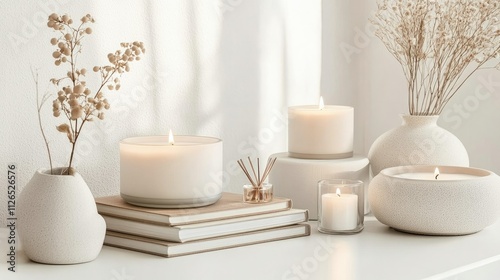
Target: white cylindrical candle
(156, 173)
(320, 133)
(339, 211)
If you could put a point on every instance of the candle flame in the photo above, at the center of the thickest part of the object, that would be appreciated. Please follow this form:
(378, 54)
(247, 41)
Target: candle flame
(337, 192)
(170, 137)
(436, 173)
(321, 103)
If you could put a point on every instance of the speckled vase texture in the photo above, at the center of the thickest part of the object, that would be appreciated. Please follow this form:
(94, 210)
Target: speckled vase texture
(58, 221)
(455, 207)
(419, 140)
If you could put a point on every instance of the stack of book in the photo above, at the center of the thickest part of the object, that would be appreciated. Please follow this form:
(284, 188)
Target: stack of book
(176, 232)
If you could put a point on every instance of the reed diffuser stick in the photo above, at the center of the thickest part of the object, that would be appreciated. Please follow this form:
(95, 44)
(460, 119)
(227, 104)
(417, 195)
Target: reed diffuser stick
(258, 170)
(256, 194)
(243, 167)
(253, 170)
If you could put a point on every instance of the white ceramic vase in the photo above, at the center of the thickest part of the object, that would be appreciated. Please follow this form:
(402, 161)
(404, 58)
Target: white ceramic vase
(419, 140)
(58, 221)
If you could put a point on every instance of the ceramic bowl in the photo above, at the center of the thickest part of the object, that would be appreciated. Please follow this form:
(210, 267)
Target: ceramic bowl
(435, 207)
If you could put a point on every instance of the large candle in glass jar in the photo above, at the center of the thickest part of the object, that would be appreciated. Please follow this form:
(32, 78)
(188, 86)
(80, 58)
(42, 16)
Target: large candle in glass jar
(185, 172)
(320, 132)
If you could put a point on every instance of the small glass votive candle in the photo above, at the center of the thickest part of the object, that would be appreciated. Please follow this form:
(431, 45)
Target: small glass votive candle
(340, 206)
(259, 194)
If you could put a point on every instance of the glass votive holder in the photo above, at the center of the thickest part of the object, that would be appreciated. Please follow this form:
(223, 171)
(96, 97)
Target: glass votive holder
(258, 194)
(340, 206)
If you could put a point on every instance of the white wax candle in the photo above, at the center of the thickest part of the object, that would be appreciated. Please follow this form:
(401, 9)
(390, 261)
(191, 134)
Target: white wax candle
(320, 133)
(339, 212)
(431, 176)
(151, 167)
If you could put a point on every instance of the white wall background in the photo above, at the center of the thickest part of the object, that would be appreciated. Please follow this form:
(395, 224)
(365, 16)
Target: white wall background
(223, 68)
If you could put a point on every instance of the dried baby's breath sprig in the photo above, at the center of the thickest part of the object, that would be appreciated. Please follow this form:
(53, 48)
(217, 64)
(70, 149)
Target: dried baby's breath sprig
(439, 44)
(75, 101)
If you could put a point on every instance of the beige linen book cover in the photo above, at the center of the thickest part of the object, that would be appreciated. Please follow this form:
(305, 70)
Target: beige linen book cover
(230, 205)
(190, 232)
(174, 249)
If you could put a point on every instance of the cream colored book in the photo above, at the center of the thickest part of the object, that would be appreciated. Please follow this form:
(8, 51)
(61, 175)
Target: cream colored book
(184, 233)
(173, 249)
(230, 205)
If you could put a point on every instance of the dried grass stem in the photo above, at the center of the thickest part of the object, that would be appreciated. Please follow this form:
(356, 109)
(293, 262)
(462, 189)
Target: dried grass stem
(439, 44)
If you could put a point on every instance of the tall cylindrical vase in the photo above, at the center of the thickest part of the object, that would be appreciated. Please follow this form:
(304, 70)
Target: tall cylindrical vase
(419, 140)
(58, 219)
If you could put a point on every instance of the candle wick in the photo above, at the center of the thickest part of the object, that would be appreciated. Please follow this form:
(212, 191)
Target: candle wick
(338, 194)
(436, 176)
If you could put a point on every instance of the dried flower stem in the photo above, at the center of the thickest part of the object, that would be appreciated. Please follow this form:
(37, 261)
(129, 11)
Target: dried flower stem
(39, 105)
(74, 100)
(439, 44)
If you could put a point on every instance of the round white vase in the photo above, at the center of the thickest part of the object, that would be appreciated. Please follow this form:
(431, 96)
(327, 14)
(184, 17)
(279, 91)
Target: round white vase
(419, 140)
(58, 221)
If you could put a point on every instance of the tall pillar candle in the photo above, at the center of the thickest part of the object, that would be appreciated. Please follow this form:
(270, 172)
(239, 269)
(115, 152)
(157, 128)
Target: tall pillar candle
(157, 173)
(320, 133)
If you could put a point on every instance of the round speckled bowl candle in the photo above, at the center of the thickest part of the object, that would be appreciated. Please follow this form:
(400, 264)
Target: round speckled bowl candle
(423, 200)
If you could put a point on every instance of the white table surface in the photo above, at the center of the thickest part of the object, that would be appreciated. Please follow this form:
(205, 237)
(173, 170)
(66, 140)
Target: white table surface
(378, 252)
